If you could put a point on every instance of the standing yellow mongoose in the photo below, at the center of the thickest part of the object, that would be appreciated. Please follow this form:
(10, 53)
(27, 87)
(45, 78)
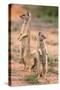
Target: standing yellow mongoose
(42, 47)
(41, 56)
(24, 37)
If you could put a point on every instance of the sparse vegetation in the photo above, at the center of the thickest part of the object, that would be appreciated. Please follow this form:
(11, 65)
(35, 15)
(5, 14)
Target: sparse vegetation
(52, 43)
(46, 13)
(31, 79)
(52, 71)
(54, 32)
(14, 50)
(14, 25)
(52, 61)
(52, 65)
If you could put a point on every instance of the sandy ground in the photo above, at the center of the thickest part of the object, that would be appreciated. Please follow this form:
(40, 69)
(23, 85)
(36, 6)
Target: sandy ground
(17, 69)
(18, 74)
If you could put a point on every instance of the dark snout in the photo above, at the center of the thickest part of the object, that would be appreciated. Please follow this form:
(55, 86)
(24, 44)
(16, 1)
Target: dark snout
(41, 35)
(22, 16)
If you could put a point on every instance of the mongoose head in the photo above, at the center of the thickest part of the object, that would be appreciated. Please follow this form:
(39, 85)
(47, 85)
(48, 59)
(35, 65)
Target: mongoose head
(26, 16)
(41, 36)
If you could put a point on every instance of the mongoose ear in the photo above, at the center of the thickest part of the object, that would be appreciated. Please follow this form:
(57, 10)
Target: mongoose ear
(39, 33)
(28, 13)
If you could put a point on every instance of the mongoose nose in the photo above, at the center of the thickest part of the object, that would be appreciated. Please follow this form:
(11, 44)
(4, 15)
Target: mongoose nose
(43, 37)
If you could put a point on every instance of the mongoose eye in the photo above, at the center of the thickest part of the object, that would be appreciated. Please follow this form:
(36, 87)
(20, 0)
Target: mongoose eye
(43, 37)
(22, 16)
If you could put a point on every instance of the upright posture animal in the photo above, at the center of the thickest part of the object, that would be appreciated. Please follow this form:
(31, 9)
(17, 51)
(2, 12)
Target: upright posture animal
(24, 37)
(42, 47)
(40, 59)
